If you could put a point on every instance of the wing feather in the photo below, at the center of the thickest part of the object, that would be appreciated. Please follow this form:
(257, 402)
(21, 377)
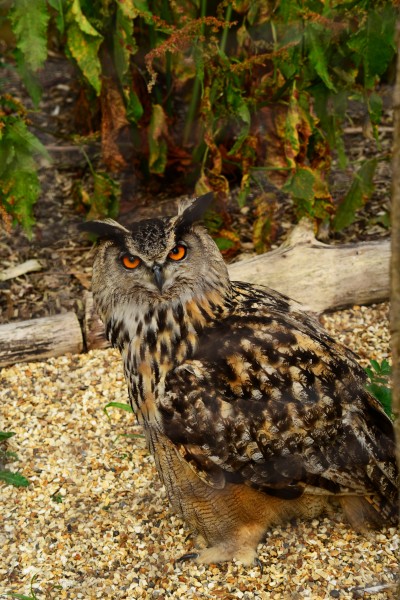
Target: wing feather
(273, 401)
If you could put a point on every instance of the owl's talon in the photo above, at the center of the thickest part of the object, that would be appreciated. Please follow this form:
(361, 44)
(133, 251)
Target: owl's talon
(188, 556)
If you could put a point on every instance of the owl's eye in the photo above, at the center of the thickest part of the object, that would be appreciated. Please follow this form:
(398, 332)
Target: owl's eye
(178, 253)
(129, 261)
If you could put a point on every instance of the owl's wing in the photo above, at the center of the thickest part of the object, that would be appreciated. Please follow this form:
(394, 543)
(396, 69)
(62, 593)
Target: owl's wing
(270, 400)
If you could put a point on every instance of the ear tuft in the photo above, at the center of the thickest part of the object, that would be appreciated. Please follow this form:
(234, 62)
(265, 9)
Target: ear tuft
(192, 211)
(103, 229)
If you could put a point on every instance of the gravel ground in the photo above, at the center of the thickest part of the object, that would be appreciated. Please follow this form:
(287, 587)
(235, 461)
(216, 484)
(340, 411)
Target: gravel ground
(95, 522)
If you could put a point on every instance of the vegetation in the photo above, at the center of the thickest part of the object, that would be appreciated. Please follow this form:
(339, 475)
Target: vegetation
(127, 408)
(7, 476)
(380, 384)
(19, 182)
(32, 595)
(219, 91)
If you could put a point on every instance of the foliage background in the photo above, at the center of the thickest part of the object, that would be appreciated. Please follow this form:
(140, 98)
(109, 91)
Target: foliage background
(216, 94)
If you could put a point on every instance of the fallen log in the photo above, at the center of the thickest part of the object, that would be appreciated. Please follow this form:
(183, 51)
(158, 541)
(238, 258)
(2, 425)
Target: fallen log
(93, 328)
(26, 267)
(38, 339)
(322, 277)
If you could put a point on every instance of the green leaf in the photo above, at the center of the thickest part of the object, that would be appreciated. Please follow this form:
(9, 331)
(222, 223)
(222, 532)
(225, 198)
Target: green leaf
(289, 10)
(157, 142)
(301, 185)
(19, 182)
(23, 194)
(120, 405)
(375, 365)
(131, 8)
(58, 6)
(5, 435)
(29, 78)
(84, 42)
(29, 21)
(386, 369)
(318, 42)
(379, 386)
(383, 368)
(134, 108)
(10, 456)
(241, 110)
(124, 43)
(375, 43)
(383, 394)
(223, 243)
(104, 202)
(20, 596)
(7, 154)
(360, 191)
(57, 498)
(375, 107)
(15, 479)
(24, 141)
(331, 111)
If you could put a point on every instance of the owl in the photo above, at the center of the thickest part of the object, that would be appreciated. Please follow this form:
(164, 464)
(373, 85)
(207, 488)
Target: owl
(253, 413)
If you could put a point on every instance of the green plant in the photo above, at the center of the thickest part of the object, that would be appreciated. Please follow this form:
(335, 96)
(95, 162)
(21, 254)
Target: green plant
(120, 405)
(19, 182)
(32, 595)
(225, 90)
(15, 479)
(103, 201)
(57, 497)
(379, 383)
(131, 436)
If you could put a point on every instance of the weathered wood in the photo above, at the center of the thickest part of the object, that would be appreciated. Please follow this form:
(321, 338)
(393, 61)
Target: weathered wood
(26, 267)
(93, 327)
(38, 339)
(320, 276)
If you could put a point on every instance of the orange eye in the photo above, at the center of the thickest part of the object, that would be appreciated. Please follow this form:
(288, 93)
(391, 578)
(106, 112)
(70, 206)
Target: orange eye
(178, 253)
(130, 262)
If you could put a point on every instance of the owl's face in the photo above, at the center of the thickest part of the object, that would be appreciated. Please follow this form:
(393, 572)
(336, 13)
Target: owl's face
(159, 260)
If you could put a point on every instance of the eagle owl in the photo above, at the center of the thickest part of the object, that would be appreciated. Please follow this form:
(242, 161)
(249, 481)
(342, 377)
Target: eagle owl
(253, 413)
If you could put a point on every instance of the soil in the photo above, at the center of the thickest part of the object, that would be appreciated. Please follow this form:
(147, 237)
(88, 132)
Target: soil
(65, 254)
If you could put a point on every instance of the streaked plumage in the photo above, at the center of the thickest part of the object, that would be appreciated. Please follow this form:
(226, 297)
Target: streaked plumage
(252, 411)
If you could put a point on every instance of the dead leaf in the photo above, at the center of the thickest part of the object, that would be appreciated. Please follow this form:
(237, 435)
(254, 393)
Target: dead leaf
(115, 128)
(265, 225)
(83, 278)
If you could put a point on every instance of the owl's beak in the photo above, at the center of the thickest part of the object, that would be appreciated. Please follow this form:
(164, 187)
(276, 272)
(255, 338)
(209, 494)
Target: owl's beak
(158, 276)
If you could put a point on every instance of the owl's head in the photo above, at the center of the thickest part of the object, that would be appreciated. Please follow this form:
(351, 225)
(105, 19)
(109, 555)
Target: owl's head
(158, 260)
